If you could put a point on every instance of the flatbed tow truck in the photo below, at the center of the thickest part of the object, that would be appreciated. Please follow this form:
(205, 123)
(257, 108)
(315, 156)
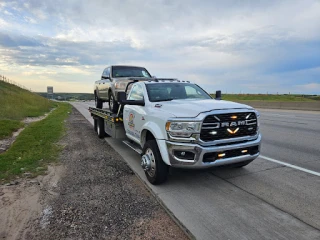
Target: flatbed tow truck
(173, 123)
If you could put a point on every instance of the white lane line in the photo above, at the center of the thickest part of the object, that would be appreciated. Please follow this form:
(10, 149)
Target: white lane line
(290, 165)
(281, 115)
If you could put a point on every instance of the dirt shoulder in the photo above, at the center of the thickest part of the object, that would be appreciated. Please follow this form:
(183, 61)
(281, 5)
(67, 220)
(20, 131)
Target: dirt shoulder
(96, 197)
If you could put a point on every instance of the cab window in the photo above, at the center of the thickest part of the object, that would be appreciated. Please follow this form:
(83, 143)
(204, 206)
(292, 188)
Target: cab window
(136, 93)
(107, 72)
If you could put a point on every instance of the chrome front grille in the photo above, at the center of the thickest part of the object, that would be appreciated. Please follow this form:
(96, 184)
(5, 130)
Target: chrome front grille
(228, 125)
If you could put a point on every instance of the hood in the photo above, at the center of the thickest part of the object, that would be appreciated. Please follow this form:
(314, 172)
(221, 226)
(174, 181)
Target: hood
(192, 108)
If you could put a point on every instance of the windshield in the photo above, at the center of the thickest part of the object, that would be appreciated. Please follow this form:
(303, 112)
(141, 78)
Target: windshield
(123, 71)
(158, 92)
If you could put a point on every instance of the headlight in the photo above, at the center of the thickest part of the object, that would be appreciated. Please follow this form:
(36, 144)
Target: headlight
(258, 117)
(120, 85)
(183, 129)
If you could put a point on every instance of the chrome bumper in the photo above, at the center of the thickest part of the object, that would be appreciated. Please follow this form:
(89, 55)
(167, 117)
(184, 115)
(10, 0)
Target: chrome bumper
(199, 152)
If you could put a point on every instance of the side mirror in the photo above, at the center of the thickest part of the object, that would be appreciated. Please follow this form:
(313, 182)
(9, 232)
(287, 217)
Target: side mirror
(154, 77)
(218, 95)
(134, 102)
(122, 99)
(122, 96)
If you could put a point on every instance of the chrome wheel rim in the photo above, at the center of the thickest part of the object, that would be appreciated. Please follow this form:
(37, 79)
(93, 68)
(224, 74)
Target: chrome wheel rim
(152, 171)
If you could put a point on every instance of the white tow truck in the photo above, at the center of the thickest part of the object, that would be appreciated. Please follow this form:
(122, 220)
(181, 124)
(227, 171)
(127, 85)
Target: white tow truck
(174, 123)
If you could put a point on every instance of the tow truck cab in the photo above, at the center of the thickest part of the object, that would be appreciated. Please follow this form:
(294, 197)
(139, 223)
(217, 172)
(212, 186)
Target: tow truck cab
(178, 124)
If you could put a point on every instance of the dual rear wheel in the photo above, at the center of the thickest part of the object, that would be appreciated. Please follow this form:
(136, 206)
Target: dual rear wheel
(98, 126)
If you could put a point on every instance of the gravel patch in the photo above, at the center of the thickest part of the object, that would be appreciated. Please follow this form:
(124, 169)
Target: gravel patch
(99, 197)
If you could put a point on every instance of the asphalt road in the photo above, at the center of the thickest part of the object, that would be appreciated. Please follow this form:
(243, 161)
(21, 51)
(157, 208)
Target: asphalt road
(264, 200)
(292, 136)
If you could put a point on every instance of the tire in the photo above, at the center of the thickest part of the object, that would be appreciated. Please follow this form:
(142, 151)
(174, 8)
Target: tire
(159, 170)
(113, 104)
(240, 164)
(98, 102)
(95, 124)
(100, 128)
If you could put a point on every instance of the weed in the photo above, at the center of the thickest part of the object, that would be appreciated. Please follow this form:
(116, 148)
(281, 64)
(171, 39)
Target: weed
(9, 126)
(35, 146)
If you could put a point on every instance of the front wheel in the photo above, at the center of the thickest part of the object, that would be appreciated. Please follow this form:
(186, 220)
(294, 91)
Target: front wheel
(155, 169)
(113, 104)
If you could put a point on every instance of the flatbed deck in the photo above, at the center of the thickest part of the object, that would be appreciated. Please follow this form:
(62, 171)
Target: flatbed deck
(108, 122)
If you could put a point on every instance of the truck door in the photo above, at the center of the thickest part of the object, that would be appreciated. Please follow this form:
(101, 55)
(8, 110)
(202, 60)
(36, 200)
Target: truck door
(134, 116)
(105, 83)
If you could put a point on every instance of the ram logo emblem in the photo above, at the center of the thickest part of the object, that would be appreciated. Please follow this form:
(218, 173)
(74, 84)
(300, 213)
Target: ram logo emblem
(233, 131)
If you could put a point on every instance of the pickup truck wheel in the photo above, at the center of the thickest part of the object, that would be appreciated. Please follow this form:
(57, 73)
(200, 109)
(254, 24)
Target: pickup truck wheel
(100, 128)
(155, 169)
(113, 104)
(98, 102)
(241, 164)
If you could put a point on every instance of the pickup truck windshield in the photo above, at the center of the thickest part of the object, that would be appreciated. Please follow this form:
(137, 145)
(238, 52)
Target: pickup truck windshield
(158, 92)
(123, 71)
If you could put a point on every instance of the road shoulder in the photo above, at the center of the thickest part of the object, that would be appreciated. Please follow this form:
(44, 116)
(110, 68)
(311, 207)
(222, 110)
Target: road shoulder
(97, 196)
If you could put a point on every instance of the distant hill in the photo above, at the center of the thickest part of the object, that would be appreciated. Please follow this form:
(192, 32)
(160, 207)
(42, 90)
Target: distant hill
(68, 96)
(271, 97)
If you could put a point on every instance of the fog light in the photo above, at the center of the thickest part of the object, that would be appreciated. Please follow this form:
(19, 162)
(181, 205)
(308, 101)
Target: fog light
(186, 155)
(221, 155)
(244, 151)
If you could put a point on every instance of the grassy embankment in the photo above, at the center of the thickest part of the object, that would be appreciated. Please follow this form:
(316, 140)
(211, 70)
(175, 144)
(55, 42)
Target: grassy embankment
(17, 104)
(36, 145)
(269, 97)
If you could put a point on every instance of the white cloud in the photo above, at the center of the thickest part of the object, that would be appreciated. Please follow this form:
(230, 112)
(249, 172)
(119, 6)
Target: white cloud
(223, 44)
(315, 87)
(3, 23)
(30, 20)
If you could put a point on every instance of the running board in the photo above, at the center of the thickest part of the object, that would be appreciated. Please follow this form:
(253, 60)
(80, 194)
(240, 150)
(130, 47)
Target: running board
(133, 146)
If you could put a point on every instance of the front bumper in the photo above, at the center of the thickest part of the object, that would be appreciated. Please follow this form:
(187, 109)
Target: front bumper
(233, 154)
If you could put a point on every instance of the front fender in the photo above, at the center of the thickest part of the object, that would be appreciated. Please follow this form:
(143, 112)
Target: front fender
(156, 131)
(160, 135)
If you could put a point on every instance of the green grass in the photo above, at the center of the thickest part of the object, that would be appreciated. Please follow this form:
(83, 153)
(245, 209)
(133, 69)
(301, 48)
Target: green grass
(9, 126)
(269, 97)
(35, 146)
(16, 104)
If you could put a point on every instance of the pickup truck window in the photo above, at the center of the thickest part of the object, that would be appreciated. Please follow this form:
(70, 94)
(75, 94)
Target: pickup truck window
(136, 93)
(123, 71)
(108, 72)
(158, 92)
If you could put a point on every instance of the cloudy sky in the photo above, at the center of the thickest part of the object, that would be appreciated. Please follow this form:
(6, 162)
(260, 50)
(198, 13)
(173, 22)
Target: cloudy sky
(255, 46)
